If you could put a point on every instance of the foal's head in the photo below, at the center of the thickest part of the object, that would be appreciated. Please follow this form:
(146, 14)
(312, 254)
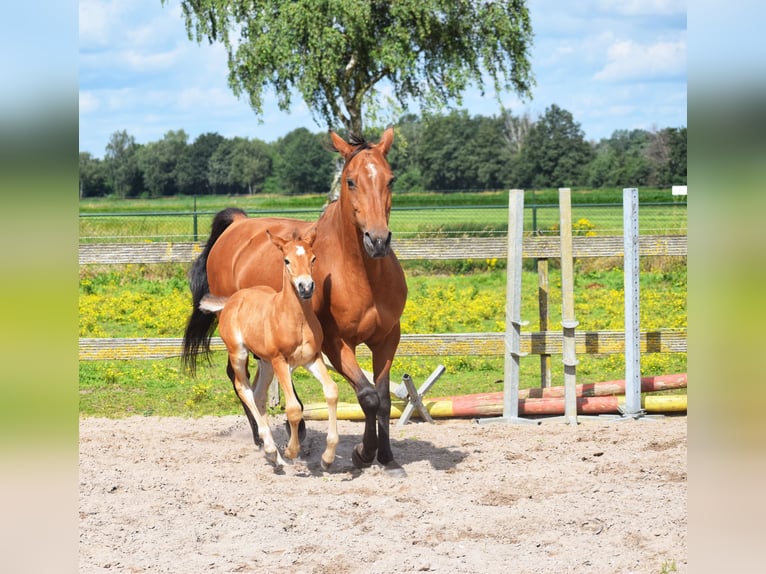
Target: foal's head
(366, 186)
(299, 259)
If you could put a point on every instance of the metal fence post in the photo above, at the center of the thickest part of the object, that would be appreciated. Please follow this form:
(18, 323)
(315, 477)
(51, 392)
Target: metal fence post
(195, 219)
(632, 316)
(568, 321)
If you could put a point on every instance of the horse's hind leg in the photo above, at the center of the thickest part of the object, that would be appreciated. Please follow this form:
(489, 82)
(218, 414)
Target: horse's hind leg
(238, 362)
(248, 414)
(330, 390)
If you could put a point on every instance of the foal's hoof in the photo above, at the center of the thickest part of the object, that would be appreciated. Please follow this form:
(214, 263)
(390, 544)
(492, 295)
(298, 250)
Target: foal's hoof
(325, 465)
(273, 457)
(301, 430)
(357, 458)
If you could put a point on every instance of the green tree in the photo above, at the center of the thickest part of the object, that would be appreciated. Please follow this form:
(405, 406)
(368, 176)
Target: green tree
(250, 164)
(403, 157)
(555, 153)
(302, 163)
(121, 157)
(94, 180)
(335, 54)
(219, 168)
(621, 160)
(666, 151)
(192, 177)
(159, 163)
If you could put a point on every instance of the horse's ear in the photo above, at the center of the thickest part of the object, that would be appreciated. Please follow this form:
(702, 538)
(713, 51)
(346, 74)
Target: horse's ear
(340, 144)
(276, 240)
(386, 140)
(310, 235)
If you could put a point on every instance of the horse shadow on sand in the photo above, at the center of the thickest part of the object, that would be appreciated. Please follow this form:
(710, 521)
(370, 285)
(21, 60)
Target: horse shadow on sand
(407, 451)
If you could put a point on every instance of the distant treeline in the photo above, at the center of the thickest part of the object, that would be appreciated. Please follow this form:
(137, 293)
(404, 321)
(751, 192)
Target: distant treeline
(433, 153)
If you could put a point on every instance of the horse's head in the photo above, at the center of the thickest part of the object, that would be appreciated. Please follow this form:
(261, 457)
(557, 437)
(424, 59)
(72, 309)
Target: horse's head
(299, 259)
(366, 189)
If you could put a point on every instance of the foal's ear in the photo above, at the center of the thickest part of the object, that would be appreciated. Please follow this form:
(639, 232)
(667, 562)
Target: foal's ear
(276, 240)
(310, 235)
(386, 140)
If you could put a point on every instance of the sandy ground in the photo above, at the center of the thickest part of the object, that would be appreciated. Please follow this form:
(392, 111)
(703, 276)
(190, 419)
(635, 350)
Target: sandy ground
(194, 495)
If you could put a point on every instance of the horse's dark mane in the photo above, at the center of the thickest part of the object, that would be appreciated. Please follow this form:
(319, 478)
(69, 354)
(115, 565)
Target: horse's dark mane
(359, 143)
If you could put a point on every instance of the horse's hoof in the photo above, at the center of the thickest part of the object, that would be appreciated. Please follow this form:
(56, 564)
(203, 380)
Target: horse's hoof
(395, 470)
(325, 465)
(272, 457)
(301, 430)
(357, 458)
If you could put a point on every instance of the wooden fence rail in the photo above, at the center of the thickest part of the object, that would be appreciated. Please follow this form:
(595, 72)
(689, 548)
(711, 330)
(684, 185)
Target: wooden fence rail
(433, 344)
(412, 248)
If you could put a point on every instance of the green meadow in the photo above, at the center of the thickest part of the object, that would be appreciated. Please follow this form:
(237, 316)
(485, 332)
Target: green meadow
(444, 296)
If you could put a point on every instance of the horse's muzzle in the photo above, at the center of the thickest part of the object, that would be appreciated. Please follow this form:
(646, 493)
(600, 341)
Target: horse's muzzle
(305, 289)
(377, 246)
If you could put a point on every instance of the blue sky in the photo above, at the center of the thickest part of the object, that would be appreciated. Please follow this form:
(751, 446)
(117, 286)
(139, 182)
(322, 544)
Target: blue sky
(612, 64)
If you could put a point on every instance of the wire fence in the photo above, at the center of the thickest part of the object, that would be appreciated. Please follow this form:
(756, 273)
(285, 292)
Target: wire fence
(660, 218)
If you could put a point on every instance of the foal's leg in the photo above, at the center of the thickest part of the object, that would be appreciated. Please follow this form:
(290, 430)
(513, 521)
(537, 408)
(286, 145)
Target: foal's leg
(238, 362)
(263, 375)
(292, 406)
(248, 414)
(330, 389)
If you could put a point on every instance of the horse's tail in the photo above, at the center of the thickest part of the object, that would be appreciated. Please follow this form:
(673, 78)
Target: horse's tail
(201, 325)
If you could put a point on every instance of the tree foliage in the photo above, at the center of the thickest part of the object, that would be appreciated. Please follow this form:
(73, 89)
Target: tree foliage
(555, 153)
(440, 153)
(337, 53)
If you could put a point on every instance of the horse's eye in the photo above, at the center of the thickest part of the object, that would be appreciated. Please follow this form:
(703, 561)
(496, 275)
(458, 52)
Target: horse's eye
(391, 182)
(350, 183)
(287, 262)
(313, 259)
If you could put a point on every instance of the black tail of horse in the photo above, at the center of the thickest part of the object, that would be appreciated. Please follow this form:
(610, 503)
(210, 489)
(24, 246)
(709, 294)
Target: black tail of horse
(201, 325)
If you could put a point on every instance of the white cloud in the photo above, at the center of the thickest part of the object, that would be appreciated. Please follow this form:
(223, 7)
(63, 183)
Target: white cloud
(149, 61)
(628, 60)
(196, 97)
(88, 102)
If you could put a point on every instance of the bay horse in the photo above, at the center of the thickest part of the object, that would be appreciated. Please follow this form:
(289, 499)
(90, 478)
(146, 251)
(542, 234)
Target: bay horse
(360, 285)
(281, 330)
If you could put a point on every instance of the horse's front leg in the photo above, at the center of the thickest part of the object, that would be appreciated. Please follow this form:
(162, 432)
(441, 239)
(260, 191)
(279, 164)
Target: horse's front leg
(382, 359)
(293, 408)
(343, 358)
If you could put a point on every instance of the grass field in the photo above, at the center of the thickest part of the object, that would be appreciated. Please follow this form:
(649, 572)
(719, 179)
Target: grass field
(454, 296)
(143, 301)
(175, 219)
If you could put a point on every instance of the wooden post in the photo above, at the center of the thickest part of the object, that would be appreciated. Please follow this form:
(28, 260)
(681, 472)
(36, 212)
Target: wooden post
(632, 313)
(542, 299)
(567, 306)
(513, 304)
